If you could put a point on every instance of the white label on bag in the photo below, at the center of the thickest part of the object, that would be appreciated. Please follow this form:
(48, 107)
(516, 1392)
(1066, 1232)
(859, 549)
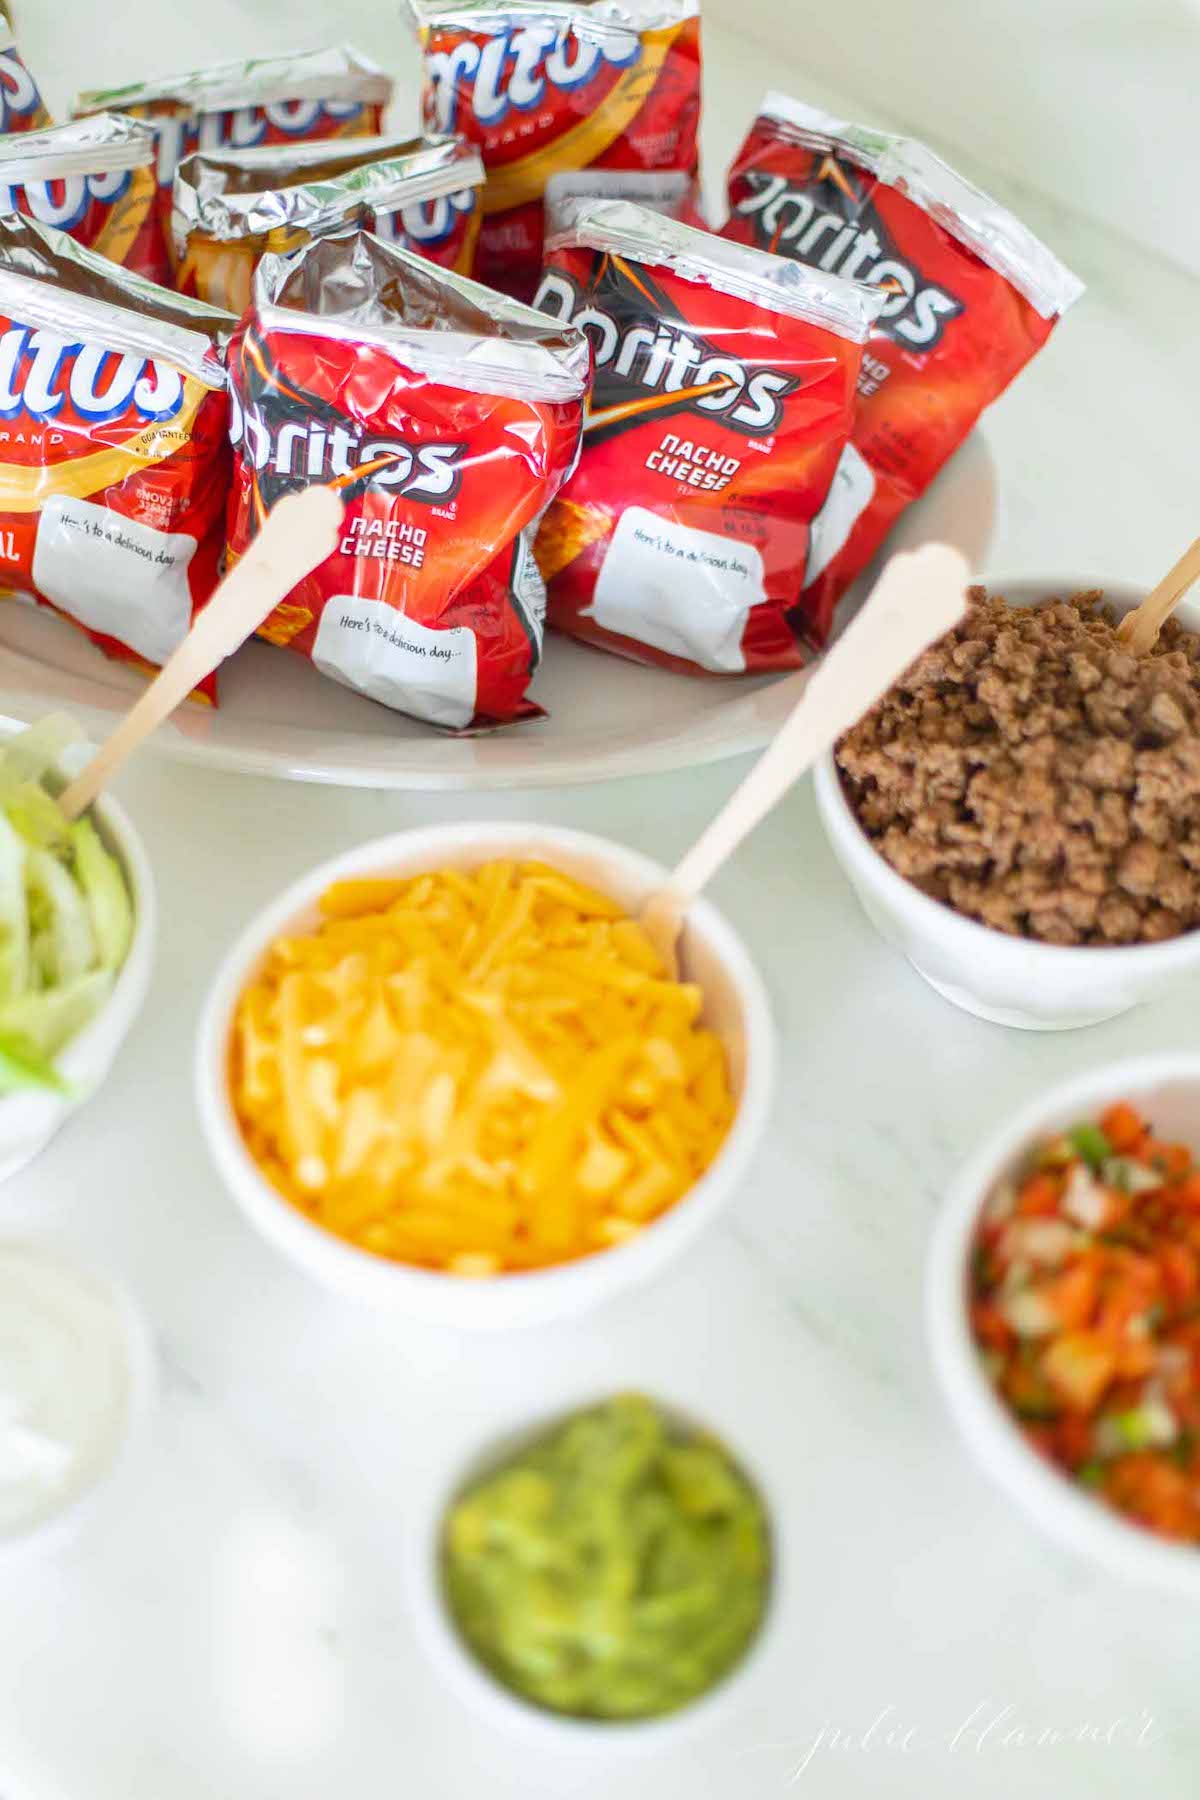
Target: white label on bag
(852, 491)
(115, 575)
(677, 589)
(369, 646)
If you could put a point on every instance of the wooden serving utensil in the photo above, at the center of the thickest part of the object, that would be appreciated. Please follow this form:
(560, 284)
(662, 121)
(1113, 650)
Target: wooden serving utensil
(1139, 630)
(918, 598)
(299, 532)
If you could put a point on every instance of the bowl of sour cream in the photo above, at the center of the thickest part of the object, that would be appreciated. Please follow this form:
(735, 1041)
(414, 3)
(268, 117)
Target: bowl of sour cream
(75, 1384)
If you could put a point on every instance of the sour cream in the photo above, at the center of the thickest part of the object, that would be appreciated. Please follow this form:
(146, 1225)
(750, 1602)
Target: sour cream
(67, 1384)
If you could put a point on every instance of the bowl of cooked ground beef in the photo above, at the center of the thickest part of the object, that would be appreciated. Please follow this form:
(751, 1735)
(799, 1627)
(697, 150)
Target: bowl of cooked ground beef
(1020, 813)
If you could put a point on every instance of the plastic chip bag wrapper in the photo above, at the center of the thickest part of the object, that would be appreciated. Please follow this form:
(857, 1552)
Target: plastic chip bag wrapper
(318, 95)
(232, 207)
(546, 87)
(21, 105)
(448, 417)
(94, 179)
(722, 400)
(114, 453)
(970, 297)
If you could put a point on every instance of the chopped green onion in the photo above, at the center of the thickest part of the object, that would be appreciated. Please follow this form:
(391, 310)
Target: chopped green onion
(1089, 1141)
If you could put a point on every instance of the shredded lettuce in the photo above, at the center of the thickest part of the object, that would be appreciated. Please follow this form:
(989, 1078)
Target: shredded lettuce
(66, 920)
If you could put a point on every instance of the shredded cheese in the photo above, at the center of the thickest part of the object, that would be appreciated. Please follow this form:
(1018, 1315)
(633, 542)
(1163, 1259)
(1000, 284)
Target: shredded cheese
(477, 1071)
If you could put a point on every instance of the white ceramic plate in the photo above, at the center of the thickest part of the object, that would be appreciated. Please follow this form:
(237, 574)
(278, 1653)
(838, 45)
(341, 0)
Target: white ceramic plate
(607, 717)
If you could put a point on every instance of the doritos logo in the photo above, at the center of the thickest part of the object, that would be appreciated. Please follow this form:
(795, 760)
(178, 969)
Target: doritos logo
(513, 70)
(47, 379)
(654, 363)
(64, 202)
(19, 96)
(284, 443)
(829, 224)
(428, 223)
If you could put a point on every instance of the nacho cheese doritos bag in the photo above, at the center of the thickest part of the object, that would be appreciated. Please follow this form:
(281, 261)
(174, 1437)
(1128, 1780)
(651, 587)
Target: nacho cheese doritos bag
(447, 417)
(970, 296)
(232, 207)
(94, 179)
(549, 89)
(722, 400)
(114, 451)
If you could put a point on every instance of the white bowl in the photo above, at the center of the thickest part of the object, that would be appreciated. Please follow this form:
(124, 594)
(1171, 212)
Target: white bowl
(1008, 980)
(501, 1706)
(1167, 1089)
(710, 954)
(29, 1118)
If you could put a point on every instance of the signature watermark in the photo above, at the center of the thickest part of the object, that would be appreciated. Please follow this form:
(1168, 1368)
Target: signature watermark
(991, 1728)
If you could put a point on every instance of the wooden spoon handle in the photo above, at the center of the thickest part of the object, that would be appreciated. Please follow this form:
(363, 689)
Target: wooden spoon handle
(918, 598)
(1139, 630)
(299, 533)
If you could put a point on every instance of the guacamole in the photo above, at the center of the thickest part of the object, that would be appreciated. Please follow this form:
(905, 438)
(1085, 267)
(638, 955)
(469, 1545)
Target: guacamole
(616, 1568)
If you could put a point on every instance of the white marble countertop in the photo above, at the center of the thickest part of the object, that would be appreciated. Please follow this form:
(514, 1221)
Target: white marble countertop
(236, 1625)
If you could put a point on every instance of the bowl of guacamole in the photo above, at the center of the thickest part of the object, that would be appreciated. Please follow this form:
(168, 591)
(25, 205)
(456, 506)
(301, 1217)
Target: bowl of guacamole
(613, 1568)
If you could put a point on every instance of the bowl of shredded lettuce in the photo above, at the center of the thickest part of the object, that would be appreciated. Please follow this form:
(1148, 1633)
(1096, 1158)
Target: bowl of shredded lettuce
(76, 937)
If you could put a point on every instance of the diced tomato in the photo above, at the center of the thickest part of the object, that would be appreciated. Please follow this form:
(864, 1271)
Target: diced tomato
(1073, 1438)
(1181, 1275)
(1154, 1490)
(1072, 1295)
(1175, 1160)
(1123, 1128)
(1039, 1195)
(990, 1328)
(1079, 1366)
(1135, 1357)
(1187, 1192)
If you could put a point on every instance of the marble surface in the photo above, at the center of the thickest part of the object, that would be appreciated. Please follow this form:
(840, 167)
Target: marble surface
(235, 1624)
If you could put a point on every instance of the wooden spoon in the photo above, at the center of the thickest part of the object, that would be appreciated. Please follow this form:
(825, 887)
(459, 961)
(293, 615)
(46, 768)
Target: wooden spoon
(298, 534)
(1139, 630)
(918, 598)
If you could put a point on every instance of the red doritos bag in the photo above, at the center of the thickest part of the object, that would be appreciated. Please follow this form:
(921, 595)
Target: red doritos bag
(723, 398)
(322, 94)
(21, 105)
(114, 454)
(448, 417)
(970, 296)
(93, 179)
(543, 90)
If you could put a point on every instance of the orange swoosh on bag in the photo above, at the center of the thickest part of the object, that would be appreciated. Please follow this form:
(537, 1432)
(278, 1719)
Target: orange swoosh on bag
(517, 183)
(117, 235)
(28, 489)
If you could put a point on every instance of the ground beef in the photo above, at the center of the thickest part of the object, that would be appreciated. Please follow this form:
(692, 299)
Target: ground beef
(1032, 774)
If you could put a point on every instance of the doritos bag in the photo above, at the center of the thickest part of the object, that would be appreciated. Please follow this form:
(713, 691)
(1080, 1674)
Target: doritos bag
(544, 89)
(970, 296)
(93, 179)
(722, 400)
(232, 207)
(323, 94)
(448, 417)
(114, 453)
(21, 105)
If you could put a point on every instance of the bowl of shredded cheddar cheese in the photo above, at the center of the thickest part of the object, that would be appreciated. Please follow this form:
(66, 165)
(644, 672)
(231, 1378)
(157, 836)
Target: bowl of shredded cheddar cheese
(447, 1072)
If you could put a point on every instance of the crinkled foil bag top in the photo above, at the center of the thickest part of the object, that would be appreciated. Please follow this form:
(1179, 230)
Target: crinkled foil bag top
(232, 207)
(546, 87)
(447, 417)
(722, 400)
(971, 296)
(94, 179)
(114, 443)
(21, 105)
(323, 94)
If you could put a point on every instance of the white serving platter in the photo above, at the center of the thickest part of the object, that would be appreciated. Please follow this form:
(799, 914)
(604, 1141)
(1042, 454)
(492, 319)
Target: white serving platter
(605, 717)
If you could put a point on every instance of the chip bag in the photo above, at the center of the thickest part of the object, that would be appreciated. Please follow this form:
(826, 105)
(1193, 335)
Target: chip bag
(723, 398)
(93, 179)
(970, 296)
(334, 93)
(545, 89)
(21, 105)
(114, 453)
(232, 207)
(671, 192)
(448, 417)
